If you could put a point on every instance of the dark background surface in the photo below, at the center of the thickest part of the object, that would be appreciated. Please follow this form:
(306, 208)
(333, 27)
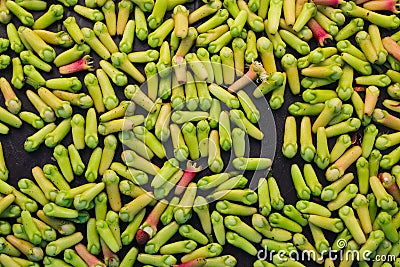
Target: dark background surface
(20, 162)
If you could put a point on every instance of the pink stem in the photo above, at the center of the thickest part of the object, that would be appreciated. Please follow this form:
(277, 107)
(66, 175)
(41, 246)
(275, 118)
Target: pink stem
(187, 177)
(392, 47)
(390, 186)
(82, 64)
(243, 81)
(193, 263)
(110, 258)
(254, 71)
(393, 190)
(149, 227)
(319, 33)
(381, 5)
(90, 259)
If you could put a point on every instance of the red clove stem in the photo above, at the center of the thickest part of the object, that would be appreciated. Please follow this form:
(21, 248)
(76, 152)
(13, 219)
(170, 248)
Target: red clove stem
(382, 5)
(256, 69)
(390, 185)
(85, 63)
(110, 258)
(319, 33)
(149, 227)
(391, 46)
(90, 259)
(187, 177)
